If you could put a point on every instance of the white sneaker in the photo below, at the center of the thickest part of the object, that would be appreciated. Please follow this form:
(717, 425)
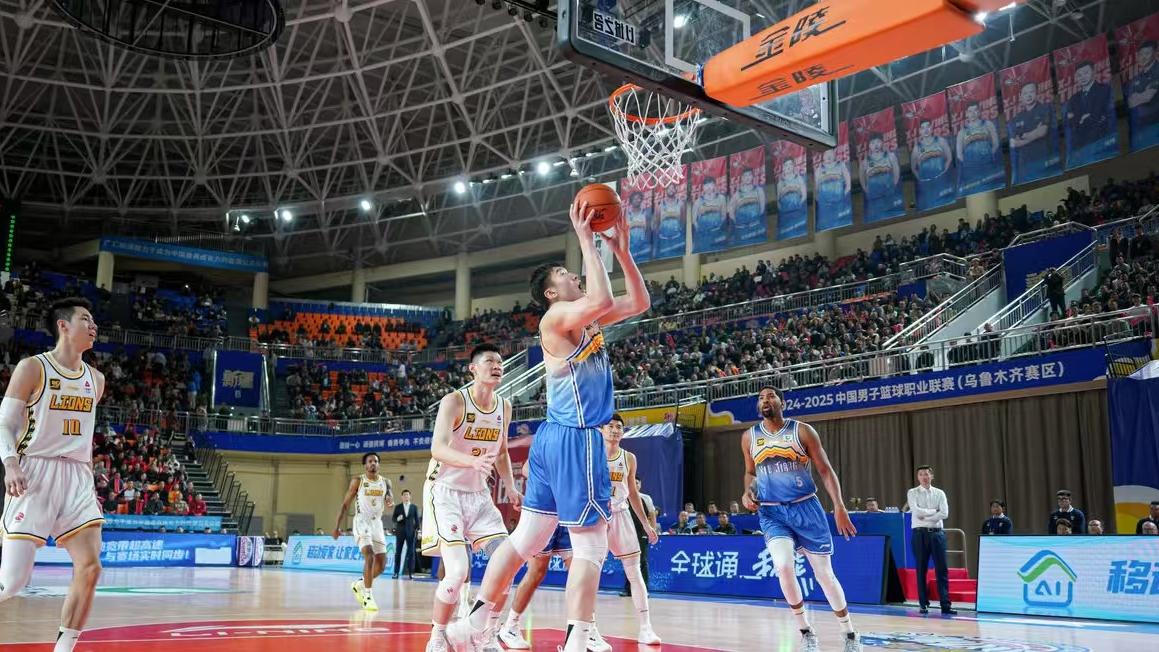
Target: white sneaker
(809, 642)
(596, 643)
(490, 641)
(438, 643)
(513, 640)
(462, 638)
(356, 586)
(853, 642)
(647, 637)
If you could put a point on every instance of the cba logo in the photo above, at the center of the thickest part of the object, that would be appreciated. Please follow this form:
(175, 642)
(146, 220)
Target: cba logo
(53, 383)
(927, 641)
(1048, 581)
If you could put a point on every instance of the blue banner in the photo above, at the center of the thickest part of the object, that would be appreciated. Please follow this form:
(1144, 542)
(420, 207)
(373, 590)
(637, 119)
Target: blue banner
(789, 173)
(311, 444)
(1088, 102)
(1132, 407)
(171, 523)
(1137, 45)
(832, 185)
(184, 255)
(121, 549)
(1008, 375)
(747, 204)
(931, 159)
(977, 147)
(1111, 578)
(238, 376)
(1024, 265)
(636, 198)
(329, 554)
(739, 566)
(875, 141)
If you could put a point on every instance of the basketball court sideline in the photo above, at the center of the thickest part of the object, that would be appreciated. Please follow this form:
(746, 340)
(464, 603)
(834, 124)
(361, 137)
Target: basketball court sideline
(249, 610)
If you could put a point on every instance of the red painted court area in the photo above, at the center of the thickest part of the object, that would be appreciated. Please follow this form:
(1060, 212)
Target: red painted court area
(359, 634)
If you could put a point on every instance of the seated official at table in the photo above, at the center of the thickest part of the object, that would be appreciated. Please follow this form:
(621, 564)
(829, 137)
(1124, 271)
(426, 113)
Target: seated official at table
(723, 526)
(681, 526)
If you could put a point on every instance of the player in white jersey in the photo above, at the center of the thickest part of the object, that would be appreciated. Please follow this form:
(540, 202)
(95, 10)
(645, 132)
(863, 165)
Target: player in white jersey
(622, 541)
(373, 495)
(470, 439)
(47, 420)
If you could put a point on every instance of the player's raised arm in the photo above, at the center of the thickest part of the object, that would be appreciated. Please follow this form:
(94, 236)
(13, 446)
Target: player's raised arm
(749, 499)
(503, 462)
(565, 316)
(637, 299)
(25, 382)
(816, 453)
(451, 408)
(350, 495)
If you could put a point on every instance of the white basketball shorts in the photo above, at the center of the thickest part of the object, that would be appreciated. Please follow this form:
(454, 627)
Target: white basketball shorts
(61, 500)
(368, 532)
(622, 541)
(458, 518)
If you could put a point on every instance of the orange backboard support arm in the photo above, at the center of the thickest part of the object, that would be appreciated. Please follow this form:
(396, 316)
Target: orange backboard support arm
(833, 39)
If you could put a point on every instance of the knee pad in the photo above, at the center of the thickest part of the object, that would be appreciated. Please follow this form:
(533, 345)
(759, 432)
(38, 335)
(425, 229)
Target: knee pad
(822, 570)
(457, 564)
(781, 551)
(631, 567)
(19, 555)
(532, 534)
(590, 544)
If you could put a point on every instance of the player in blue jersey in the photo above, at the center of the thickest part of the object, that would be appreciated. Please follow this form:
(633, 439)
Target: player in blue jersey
(568, 480)
(931, 161)
(669, 224)
(880, 177)
(831, 179)
(779, 454)
(709, 218)
(792, 209)
(978, 148)
(747, 208)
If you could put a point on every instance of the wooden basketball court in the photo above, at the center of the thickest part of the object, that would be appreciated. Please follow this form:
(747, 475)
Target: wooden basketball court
(244, 610)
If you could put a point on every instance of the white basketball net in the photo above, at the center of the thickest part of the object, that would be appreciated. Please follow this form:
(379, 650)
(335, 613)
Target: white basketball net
(654, 131)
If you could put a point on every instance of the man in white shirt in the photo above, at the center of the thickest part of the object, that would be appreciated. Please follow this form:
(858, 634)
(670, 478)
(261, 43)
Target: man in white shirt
(929, 507)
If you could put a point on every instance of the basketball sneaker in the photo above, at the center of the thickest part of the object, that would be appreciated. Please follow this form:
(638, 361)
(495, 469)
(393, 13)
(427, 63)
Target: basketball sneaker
(356, 586)
(809, 641)
(513, 640)
(596, 643)
(852, 642)
(490, 641)
(647, 637)
(438, 643)
(462, 638)
(369, 604)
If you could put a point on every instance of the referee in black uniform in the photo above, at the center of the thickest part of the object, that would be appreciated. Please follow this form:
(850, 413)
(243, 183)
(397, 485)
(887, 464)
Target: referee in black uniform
(642, 537)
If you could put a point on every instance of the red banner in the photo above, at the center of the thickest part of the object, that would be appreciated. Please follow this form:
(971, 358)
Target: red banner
(1140, 77)
(974, 118)
(709, 205)
(1031, 123)
(1013, 79)
(1084, 88)
(883, 122)
(746, 197)
(927, 133)
(789, 163)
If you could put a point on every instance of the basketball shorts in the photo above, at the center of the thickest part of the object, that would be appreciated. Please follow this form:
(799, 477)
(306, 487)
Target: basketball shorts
(622, 541)
(458, 518)
(804, 522)
(568, 475)
(368, 531)
(560, 544)
(61, 500)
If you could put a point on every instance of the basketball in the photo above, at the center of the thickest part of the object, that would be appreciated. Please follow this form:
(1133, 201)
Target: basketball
(604, 201)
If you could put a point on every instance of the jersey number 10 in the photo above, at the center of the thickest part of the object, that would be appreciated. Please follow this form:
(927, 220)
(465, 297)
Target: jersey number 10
(71, 427)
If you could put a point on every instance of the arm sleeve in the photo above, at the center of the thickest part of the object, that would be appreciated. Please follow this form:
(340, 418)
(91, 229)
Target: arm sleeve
(11, 420)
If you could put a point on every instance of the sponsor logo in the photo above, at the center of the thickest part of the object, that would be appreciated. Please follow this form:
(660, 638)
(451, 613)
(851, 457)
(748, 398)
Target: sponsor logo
(928, 641)
(470, 417)
(454, 529)
(88, 388)
(54, 383)
(761, 441)
(19, 516)
(1047, 581)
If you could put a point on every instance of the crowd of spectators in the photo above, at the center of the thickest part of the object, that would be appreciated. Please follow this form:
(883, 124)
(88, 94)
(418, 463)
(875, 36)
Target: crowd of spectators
(186, 312)
(1114, 200)
(730, 349)
(138, 473)
(364, 333)
(317, 394)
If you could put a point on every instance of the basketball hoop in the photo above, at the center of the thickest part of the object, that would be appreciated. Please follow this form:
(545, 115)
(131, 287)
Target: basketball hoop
(654, 131)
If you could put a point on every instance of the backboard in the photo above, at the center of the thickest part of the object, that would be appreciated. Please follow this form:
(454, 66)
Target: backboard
(661, 45)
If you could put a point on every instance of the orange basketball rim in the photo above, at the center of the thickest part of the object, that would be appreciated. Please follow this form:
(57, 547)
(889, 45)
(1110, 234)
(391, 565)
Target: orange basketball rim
(836, 38)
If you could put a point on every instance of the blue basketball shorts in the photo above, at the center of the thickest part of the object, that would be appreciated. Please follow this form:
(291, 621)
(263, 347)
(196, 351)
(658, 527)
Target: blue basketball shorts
(568, 476)
(560, 543)
(804, 522)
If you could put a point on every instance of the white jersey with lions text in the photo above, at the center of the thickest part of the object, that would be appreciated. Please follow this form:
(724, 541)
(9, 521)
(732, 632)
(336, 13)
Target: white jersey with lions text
(618, 469)
(371, 497)
(62, 414)
(477, 432)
